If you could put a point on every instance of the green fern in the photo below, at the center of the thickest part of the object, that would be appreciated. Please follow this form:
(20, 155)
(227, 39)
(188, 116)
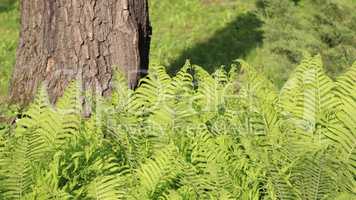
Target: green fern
(229, 135)
(107, 188)
(308, 95)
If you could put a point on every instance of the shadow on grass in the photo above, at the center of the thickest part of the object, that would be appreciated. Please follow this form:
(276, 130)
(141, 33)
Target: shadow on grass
(6, 5)
(234, 41)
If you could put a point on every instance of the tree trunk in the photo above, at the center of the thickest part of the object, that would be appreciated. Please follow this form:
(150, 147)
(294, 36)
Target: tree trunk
(61, 40)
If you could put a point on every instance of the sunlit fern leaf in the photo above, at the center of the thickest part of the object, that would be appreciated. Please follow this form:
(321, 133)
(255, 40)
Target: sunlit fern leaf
(220, 76)
(39, 123)
(34, 135)
(308, 95)
(152, 91)
(277, 167)
(47, 186)
(34, 139)
(347, 117)
(183, 193)
(2, 164)
(233, 73)
(171, 105)
(93, 128)
(107, 188)
(206, 86)
(173, 195)
(345, 196)
(232, 89)
(210, 93)
(183, 81)
(220, 170)
(257, 97)
(69, 107)
(222, 124)
(121, 120)
(314, 177)
(182, 95)
(198, 181)
(342, 133)
(158, 174)
(203, 172)
(52, 195)
(132, 144)
(18, 170)
(201, 148)
(83, 159)
(245, 175)
(295, 80)
(224, 195)
(346, 87)
(121, 93)
(213, 170)
(46, 122)
(279, 187)
(341, 128)
(256, 81)
(176, 110)
(71, 101)
(299, 141)
(33, 115)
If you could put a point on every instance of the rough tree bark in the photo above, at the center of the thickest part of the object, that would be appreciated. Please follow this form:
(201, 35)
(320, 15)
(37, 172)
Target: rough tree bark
(61, 40)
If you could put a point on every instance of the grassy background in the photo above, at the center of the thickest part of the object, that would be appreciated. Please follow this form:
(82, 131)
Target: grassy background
(202, 30)
(8, 42)
(270, 34)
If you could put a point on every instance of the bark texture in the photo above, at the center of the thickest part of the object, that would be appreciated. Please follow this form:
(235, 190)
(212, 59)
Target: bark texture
(62, 40)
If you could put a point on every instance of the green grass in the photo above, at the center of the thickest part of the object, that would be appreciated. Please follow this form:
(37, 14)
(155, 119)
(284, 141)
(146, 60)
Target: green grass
(204, 31)
(212, 33)
(181, 30)
(8, 42)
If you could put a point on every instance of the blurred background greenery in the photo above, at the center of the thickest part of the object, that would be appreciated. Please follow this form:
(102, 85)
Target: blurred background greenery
(273, 35)
(9, 24)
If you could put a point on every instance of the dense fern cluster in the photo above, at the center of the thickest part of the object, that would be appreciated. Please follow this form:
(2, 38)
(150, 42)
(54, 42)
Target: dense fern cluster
(230, 135)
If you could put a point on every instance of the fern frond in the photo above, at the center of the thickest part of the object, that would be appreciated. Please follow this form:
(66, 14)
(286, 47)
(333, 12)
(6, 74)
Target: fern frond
(33, 141)
(342, 134)
(279, 187)
(46, 183)
(18, 178)
(121, 93)
(107, 188)
(211, 171)
(308, 95)
(70, 112)
(158, 174)
(314, 177)
(152, 91)
(70, 102)
(176, 111)
(210, 96)
(346, 87)
(257, 98)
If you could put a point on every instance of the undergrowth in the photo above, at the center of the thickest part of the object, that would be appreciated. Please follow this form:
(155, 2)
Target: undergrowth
(229, 135)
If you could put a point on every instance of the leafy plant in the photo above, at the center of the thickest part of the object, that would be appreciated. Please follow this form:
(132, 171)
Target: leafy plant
(229, 135)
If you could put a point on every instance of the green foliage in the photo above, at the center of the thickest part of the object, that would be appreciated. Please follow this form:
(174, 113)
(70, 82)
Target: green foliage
(8, 42)
(229, 135)
(201, 30)
(196, 135)
(270, 34)
(291, 28)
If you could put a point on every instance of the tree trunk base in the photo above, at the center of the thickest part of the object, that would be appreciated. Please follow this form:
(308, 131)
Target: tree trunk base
(62, 40)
